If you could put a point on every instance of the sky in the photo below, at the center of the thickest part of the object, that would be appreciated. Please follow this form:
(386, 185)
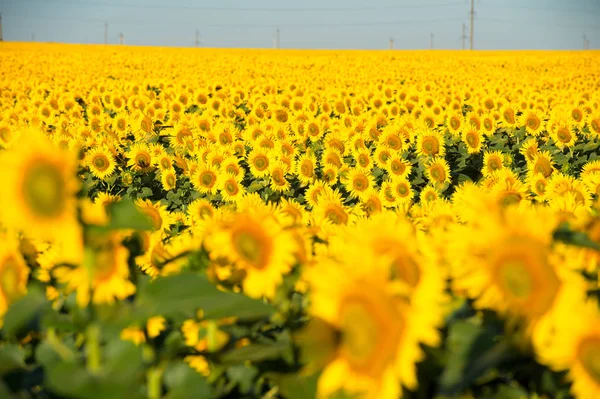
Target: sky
(319, 24)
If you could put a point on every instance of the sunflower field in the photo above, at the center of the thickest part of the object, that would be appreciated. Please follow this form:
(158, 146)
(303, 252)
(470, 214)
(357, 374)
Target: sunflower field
(202, 223)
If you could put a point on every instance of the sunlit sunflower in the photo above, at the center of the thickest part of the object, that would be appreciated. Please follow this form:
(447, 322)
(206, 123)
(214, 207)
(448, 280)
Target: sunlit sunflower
(104, 276)
(168, 179)
(231, 187)
(398, 167)
(363, 334)
(204, 178)
(158, 214)
(139, 157)
(505, 261)
(259, 161)
(38, 189)
(278, 171)
(14, 273)
(358, 183)
(492, 161)
(437, 171)
(430, 143)
(575, 346)
(529, 149)
(101, 162)
(473, 139)
(260, 248)
(533, 122)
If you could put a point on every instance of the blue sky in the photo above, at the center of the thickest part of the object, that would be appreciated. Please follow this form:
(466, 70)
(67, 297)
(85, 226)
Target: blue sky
(343, 24)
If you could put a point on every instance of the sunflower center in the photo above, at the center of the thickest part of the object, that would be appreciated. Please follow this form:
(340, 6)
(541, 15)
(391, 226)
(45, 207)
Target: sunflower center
(472, 139)
(143, 160)
(509, 116)
(207, 179)
(105, 260)
(252, 246)
(430, 146)
(101, 162)
(360, 183)
(402, 189)
(589, 355)
(336, 215)
(495, 164)
(563, 135)
(371, 328)
(454, 123)
(533, 122)
(363, 160)
(523, 275)
(397, 166)
(307, 169)
(170, 180)
(543, 167)
(165, 163)
(44, 190)
(438, 173)
(261, 163)
(231, 188)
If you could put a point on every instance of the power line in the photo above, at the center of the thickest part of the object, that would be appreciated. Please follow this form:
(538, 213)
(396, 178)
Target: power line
(472, 15)
(249, 9)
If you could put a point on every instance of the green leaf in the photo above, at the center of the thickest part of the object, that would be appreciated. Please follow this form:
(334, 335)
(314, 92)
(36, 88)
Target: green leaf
(297, 387)
(123, 360)
(22, 312)
(125, 215)
(146, 192)
(590, 146)
(243, 376)
(472, 351)
(183, 382)
(256, 352)
(187, 292)
(73, 380)
(11, 358)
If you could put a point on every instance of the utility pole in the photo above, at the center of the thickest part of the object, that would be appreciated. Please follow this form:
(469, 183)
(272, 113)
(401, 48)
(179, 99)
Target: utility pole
(277, 38)
(431, 41)
(105, 32)
(33, 37)
(197, 42)
(472, 21)
(1, 39)
(586, 43)
(121, 38)
(391, 43)
(464, 35)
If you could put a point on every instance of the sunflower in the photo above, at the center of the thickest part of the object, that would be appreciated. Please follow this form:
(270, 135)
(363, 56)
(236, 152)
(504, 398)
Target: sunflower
(158, 214)
(259, 161)
(505, 260)
(101, 162)
(331, 212)
(259, 247)
(7, 134)
(529, 149)
(231, 187)
(14, 273)
(492, 161)
(305, 168)
(560, 184)
(204, 178)
(437, 171)
(592, 182)
(509, 118)
(575, 346)
(358, 183)
(473, 139)
(455, 123)
(372, 203)
(429, 194)
(140, 157)
(39, 186)
(163, 257)
(200, 210)
(363, 159)
(401, 190)
(363, 334)
(532, 122)
(278, 170)
(398, 167)
(562, 134)
(314, 192)
(430, 143)
(104, 275)
(168, 179)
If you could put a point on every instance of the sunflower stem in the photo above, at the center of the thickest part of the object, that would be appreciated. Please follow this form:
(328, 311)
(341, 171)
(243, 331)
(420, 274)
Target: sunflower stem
(154, 379)
(93, 349)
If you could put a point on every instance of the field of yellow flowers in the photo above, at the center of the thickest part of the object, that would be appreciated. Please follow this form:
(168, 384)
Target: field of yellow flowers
(198, 223)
